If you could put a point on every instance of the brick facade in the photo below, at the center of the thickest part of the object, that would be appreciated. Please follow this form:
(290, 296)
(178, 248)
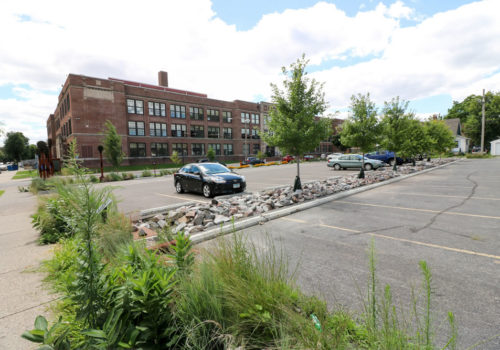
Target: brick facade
(85, 103)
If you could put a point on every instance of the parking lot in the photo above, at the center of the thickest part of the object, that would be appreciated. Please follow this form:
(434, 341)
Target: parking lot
(449, 217)
(148, 193)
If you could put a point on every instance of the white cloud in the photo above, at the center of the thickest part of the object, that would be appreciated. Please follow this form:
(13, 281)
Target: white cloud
(452, 52)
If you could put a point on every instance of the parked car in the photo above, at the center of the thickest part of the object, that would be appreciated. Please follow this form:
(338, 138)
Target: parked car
(308, 157)
(252, 161)
(287, 158)
(476, 149)
(385, 156)
(354, 161)
(333, 155)
(203, 160)
(209, 179)
(3, 166)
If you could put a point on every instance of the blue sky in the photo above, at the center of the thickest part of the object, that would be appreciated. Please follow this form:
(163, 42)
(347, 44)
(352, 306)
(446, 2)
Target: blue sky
(428, 52)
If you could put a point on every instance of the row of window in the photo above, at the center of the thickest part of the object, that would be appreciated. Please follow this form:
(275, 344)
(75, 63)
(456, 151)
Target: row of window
(195, 113)
(180, 130)
(64, 108)
(66, 129)
(138, 149)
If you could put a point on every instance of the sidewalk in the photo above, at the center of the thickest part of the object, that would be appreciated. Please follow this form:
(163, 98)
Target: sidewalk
(22, 297)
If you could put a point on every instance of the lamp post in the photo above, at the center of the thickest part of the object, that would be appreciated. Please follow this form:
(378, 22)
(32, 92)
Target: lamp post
(482, 123)
(100, 149)
(246, 134)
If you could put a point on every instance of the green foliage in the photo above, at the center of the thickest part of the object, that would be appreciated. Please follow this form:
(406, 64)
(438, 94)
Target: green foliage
(175, 158)
(113, 145)
(2, 192)
(50, 219)
(16, 146)
(93, 179)
(114, 234)
(183, 256)
(61, 268)
(24, 174)
(440, 137)
(211, 154)
(260, 155)
(293, 126)
(470, 114)
(147, 173)
(54, 338)
(128, 176)
(416, 142)
(361, 129)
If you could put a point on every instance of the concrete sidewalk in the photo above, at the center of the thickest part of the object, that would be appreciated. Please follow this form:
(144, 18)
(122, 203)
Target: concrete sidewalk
(22, 297)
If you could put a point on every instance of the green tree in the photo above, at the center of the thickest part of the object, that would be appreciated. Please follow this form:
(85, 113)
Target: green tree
(469, 113)
(113, 145)
(16, 146)
(361, 129)
(440, 137)
(416, 142)
(211, 154)
(175, 158)
(395, 126)
(42, 148)
(293, 126)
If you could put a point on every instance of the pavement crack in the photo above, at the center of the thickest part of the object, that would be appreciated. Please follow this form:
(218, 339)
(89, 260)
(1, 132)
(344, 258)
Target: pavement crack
(433, 218)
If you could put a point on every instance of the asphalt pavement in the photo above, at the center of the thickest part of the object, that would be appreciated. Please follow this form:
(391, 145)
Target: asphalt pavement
(449, 217)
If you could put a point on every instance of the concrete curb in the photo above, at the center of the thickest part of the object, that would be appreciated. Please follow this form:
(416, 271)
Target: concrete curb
(276, 214)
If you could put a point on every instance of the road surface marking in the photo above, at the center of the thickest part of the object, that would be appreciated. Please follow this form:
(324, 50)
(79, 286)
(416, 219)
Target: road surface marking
(184, 199)
(421, 210)
(442, 195)
(431, 245)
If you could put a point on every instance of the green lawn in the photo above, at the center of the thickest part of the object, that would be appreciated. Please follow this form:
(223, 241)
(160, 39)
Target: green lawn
(24, 174)
(125, 168)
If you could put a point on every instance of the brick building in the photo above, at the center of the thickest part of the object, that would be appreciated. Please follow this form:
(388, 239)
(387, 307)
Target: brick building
(154, 121)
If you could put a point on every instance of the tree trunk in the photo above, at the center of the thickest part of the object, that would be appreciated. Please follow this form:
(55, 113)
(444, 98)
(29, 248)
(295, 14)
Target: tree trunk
(362, 171)
(297, 185)
(395, 168)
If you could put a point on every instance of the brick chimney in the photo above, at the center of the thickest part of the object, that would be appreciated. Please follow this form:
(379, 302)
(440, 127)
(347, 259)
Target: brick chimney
(163, 78)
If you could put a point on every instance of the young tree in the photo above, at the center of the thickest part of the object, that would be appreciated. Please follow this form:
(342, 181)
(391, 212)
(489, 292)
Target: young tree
(175, 158)
(416, 141)
(16, 146)
(440, 137)
(395, 126)
(293, 126)
(113, 145)
(211, 154)
(361, 129)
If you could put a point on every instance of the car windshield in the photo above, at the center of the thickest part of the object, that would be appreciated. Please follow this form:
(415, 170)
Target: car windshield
(213, 169)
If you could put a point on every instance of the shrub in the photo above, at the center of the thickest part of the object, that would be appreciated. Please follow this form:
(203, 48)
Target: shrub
(39, 185)
(147, 173)
(50, 219)
(128, 176)
(93, 179)
(478, 155)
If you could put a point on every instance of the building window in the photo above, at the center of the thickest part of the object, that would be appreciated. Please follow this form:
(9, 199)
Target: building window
(256, 148)
(213, 132)
(212, 115)
(178, 130)
(228, 149)
(157, 129)
(196, 113)
(215, 147)
(245, 133)
(177, 111)
(156, 108)
(227, 117)
(136, 128)
(266, 119)
(197, 149)
(255, 119)
(69, 126)
(159, 149)
(255, 133)
(135, 106)
(197, 131)
(245, 117)
(137, 149)
(180, 148)
(228, 133)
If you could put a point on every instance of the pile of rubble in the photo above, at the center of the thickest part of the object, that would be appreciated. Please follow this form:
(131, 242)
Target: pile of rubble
(199, 217)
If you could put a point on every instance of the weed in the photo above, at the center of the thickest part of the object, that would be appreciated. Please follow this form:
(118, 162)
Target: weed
(147, 173)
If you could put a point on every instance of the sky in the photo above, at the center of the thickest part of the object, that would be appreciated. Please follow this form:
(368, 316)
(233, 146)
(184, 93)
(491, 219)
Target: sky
(427, 52)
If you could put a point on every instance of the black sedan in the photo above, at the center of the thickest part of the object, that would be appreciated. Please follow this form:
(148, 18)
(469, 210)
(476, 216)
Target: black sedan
(209, 179)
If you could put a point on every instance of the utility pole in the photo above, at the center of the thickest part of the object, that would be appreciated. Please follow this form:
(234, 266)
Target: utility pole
(482, 124)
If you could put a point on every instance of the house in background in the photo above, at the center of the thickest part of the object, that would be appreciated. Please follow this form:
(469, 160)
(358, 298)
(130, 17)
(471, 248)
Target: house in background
(462, 141)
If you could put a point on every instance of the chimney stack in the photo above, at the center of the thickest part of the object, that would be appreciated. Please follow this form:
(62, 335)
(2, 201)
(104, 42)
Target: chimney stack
(163, 78)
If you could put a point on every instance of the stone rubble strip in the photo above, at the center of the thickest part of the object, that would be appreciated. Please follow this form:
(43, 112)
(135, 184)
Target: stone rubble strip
(204, 221)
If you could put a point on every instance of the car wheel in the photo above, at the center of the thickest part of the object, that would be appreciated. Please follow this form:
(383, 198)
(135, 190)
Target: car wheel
(178, 187)
(368, 166)
(337, 167)
(391, 162)
(207, 191)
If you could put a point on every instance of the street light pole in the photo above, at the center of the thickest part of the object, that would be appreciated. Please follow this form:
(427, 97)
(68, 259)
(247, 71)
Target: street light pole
(482, 124)
(246, 151)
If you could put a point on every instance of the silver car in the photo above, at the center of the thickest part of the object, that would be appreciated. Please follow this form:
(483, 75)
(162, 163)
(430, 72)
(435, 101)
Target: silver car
(354, 161)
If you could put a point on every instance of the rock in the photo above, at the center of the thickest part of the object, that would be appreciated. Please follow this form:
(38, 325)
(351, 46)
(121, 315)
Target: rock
(191, 214)
(248, 213)
(162, 223)
(209, 224)
(198, 219)
(237, 216)
(174, 215)
(142, 233)
(179, 227)
(233, 211)
(182, 220)
(144, 224)
(220, 219)
(214, 202)
(158, 217)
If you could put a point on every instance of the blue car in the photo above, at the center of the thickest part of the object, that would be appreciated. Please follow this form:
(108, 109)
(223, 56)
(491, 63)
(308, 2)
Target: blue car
(385, 156)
